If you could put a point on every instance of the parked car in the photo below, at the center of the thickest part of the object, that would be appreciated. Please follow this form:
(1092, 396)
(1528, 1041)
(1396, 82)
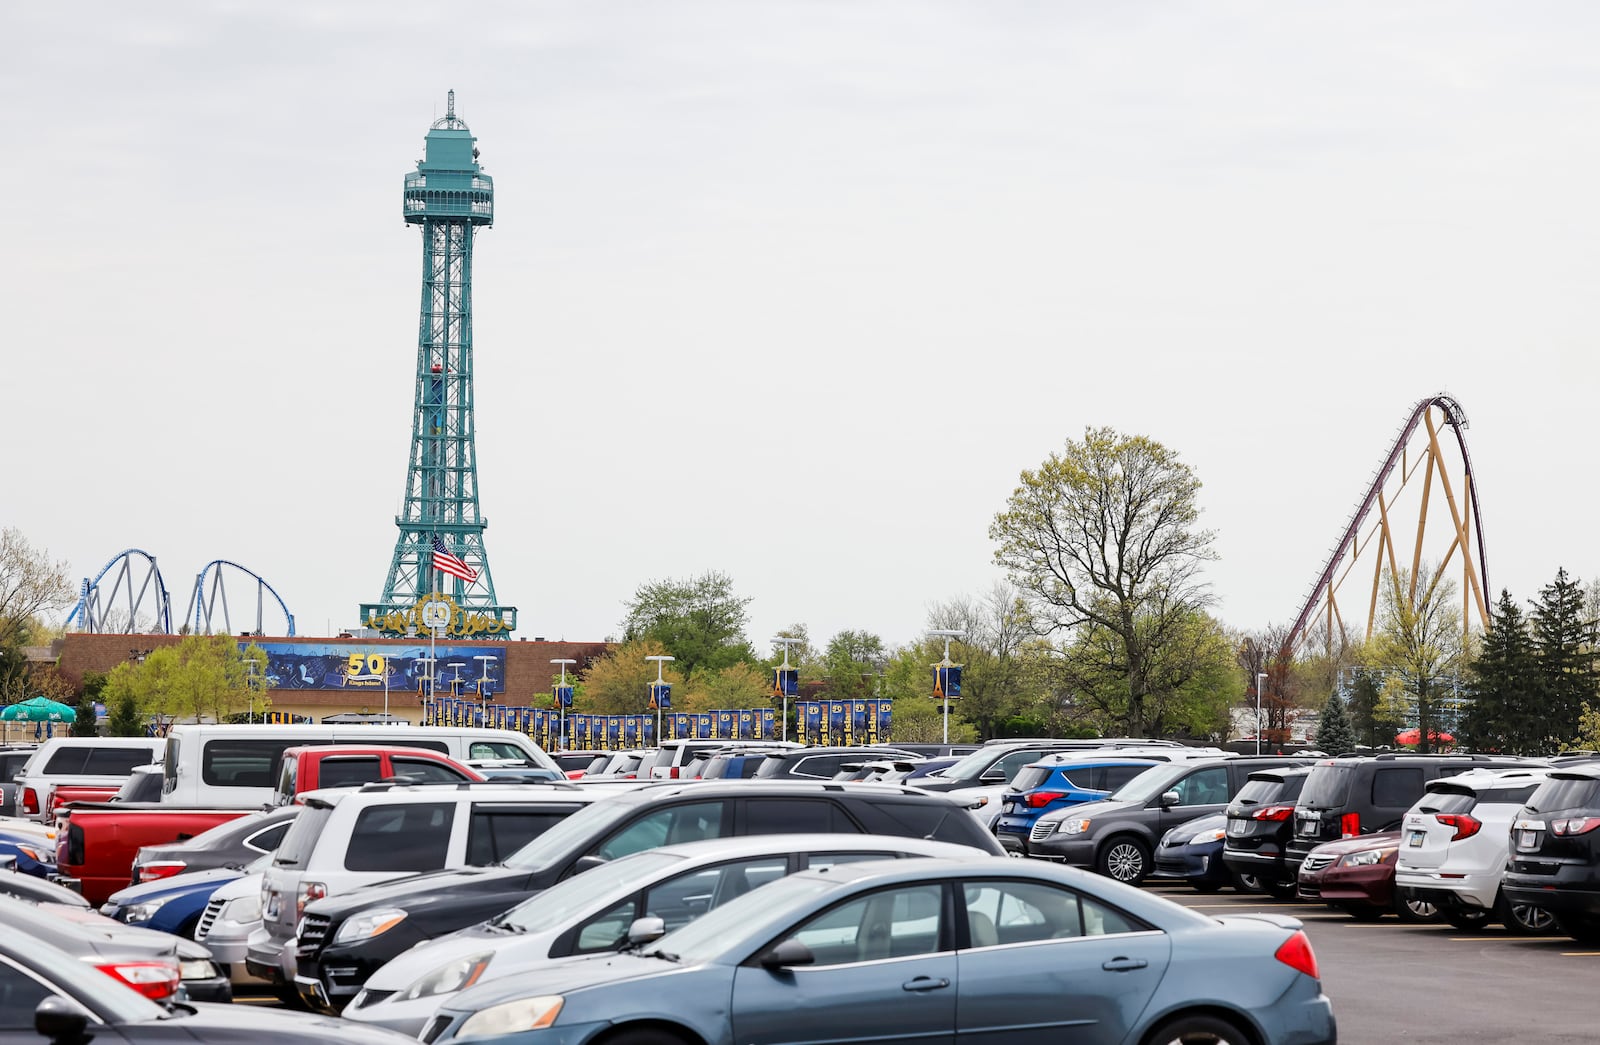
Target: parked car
(102, 840)
(31, 846)
(619, 765)
(231, 844)
(1192, 853)
(1555, 851)
(675, 754)
(925, 950)
(738, 763)
(878, 771)
(318, 767)
(933, 766)
(592, 913)
(170, 905)
(1260, 824)
(1057, 782)
(344, 940)
(91, 768)
(232, 919)
(1356, 876)
(38, 890)
(817, 763)
(1116, 835)
(994, 764)
(12, 758)
(46, 994)
(573, 763)
(1453, 849)
(1348, 797)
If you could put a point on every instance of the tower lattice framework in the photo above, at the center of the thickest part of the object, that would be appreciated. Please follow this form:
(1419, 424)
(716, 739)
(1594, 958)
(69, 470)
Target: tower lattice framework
(449, 196)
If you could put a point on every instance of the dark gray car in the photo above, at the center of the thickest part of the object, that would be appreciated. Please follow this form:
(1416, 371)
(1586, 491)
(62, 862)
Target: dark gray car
(232, 844)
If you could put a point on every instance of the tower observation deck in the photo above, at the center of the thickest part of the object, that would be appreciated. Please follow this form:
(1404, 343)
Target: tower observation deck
(449, 196)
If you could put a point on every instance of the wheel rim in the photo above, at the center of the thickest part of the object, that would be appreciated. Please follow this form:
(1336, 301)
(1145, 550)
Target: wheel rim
(1422, 909)
(1251, 882)
(1534, 919)
(1125, 862)
(1200, 1037)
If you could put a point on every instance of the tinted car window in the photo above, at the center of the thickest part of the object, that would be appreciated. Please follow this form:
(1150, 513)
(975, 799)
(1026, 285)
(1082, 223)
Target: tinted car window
(243, 763)
(349, 772)
(269, 839)
(1509, 795)
(1010, 765)
(822, 766)
(118, 761)
(1560, 794)
(295, 849)
(425, 771)
(1116, 776)
(1447, 802)
(20, 994)
(1030, 777)
(1396, 785)
(1325, 787)
(495, 833)
(9, 764)
(410, 837)
(684, 823)
(1203, 787)
(788, 816)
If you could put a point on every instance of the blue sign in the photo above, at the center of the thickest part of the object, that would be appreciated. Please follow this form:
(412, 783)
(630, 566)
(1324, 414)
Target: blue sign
(321, 665)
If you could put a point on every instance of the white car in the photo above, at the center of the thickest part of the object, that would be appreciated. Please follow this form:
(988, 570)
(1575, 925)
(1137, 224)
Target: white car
(596, 911)
(231, 916)
(1453, 848)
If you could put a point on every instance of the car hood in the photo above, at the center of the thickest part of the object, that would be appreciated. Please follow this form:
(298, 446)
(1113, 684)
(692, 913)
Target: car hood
(562, 975)
(177, 885)
(1185, 833)
(244, 885)
(410, 966)
(422, 890)
(252, 1024)
(1104, 807)
(1360, 843)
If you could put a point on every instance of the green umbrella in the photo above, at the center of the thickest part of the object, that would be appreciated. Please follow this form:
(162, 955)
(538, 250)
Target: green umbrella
(39, 709)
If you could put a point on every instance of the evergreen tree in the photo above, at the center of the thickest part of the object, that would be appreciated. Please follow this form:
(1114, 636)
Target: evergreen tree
(1365, 711)
(1565, 664)
(125, 718)
(85, 725)
(1334, 734)
(1505, 686)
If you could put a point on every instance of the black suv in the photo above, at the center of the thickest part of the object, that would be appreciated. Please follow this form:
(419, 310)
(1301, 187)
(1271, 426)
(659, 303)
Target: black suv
(1117, 834)
(1260, 824)
(818, 763)
(1555, 851)
(344, 939)
(1360, 795)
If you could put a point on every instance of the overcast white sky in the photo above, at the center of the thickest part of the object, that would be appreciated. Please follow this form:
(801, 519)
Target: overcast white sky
(792, 291)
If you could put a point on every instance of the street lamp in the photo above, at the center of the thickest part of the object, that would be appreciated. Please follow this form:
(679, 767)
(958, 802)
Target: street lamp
(432, 706)
(561, 706)
(1261, 680)
(660, 660)
(483, 685)
(786, 640)
(947, 634)
(250, 667)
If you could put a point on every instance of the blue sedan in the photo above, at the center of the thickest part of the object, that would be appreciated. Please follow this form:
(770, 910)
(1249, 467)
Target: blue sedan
(34, 856)
(171, 905)
(925, 951)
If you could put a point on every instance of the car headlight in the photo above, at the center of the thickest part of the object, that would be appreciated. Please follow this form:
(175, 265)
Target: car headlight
(449, 977)
(196, 969)
(369, 924)
(1074, 827)
(512, 1017)
(142, 912)
(244, 909)
(33, 854)
(1368, 857)
(1209, 836)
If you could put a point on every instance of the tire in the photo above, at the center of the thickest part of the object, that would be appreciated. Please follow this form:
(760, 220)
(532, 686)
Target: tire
(1124, 859)
(1198, 1030)
(1247, 883)
(1206, 886)
(1417, 912)
(290, 998)
(642, 1036)
(1523, 919)
(1282, 890)
(1585, 928)
(1468, 918)
(1361, 912)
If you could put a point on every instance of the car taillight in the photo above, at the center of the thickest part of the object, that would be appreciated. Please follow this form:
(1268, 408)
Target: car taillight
(160, 869)
(1578, 825)
(1040, 799)
(1273, 813)
(307, 892)
(154, 980)
(1465, 826)
(672, 774)
(1350, 825)
(1296, 954)
(30, 800)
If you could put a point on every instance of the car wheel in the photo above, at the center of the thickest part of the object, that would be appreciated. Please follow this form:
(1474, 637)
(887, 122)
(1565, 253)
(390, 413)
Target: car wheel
(1468, 918)
(1282, 890)
(1584, 928)
(290, 998)
(642, 1036)
(1125, 859)
(1524, 919)
(1417, 912)
(1198, 1030)
(1205, 885)
(1247, 883)
(1361, 912)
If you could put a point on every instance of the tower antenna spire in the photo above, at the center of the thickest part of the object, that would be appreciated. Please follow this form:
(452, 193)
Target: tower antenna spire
(450, 105)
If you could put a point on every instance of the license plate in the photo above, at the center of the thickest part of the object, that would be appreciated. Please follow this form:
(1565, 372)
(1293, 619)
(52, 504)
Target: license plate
(1416, 839)
(1528, 839)
(1009, 807)
(1238, 828)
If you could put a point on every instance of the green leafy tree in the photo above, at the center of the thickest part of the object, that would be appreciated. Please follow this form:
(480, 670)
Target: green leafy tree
(916, 717)
(619, 683)
(1103, 538)
(1419, 643)
(1370, 717)
(736, 686)
(1564, 659)
(700, 621)
(1334, 734)
(1190, 679)
(851, 665)
(1003, 661)
(94, 684)
(1504, 682)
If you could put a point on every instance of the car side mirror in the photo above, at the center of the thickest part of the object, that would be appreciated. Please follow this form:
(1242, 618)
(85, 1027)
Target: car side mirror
(61, 1020)
(588, 863)
(643, 930)
(789, 952)
(1170, 799)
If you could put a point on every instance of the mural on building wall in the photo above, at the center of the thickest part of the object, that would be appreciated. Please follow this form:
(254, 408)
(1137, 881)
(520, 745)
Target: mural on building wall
(462, 670)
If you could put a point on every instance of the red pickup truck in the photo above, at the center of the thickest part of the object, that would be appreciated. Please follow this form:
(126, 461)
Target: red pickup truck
(307, 768)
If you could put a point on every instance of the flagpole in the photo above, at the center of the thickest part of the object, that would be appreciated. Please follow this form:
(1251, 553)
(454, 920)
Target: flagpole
(433, 628)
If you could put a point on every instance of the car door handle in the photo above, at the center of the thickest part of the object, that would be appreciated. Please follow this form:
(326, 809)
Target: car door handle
(925, 983)
(1124, 964)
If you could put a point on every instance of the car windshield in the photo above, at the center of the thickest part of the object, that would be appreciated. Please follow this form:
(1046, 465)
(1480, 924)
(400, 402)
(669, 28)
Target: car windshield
(972, 766)
(713, 932)
(572, 898)
(557, 843)
(1152, 782)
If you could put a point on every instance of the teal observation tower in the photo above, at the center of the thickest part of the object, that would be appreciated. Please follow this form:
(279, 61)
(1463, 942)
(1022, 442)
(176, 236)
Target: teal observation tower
(440, 555)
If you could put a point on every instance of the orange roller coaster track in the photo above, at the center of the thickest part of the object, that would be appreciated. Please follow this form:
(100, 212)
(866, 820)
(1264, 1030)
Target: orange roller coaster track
(1465, 535)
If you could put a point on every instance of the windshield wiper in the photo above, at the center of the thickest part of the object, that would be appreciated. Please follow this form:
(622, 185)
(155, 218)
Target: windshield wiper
(663, 955)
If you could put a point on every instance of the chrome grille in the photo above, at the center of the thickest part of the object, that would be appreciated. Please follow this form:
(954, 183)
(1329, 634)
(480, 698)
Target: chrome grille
(209, 918)
(1317, 863)
(313, 931)
(1041, 830)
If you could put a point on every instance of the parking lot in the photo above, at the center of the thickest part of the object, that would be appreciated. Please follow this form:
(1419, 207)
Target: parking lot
(1428, 984)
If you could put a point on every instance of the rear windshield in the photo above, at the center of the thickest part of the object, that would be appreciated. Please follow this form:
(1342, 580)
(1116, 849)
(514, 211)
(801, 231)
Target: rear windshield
(295, 849)
(1259, 792)
(1447, 802)
(9, 764)
(1326, 787)
(1557, 794)
(91, 760)
(1030, 777)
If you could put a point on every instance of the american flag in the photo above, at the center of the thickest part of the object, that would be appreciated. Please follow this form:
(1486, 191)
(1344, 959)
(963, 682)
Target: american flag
(444, 562)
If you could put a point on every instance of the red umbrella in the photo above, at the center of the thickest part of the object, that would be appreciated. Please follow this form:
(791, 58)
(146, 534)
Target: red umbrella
(1414, 736)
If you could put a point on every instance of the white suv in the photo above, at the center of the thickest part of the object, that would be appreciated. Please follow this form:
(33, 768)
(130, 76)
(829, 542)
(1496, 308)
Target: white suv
(1453, 848)
(345, 839)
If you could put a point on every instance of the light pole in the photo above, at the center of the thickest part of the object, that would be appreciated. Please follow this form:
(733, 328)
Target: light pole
(1261, 680)
(250, 686)
(947, 634)
(429, 679)
(483, 685)
(782, 683)
(660, 660)
(561, 706)
(455, 678)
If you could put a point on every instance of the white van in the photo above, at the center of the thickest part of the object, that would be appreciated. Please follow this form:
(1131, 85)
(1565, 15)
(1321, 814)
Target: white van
(102, 763)
(236, 767)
